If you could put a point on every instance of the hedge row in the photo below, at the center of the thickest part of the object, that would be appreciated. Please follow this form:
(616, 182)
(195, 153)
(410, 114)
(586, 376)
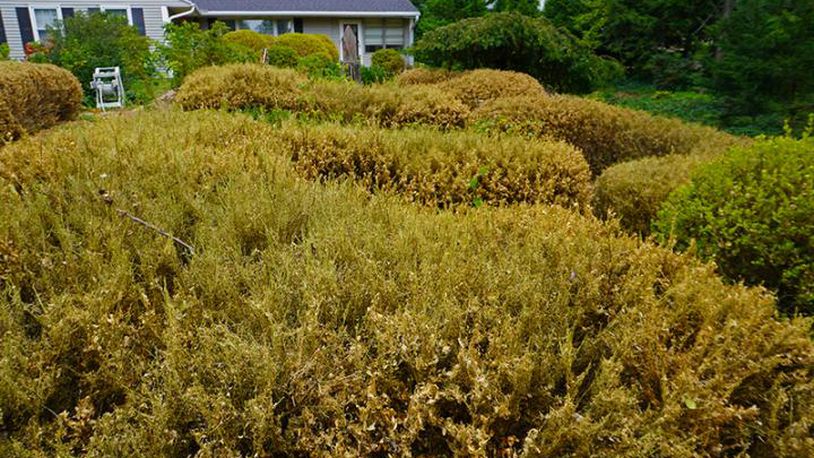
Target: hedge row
(34, 97)
(320, 320)
(303, 44)
(444, 169)
(606, 134)
(246, 86)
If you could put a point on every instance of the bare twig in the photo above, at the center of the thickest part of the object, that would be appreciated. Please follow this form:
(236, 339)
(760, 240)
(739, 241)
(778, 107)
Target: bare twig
(157, 229)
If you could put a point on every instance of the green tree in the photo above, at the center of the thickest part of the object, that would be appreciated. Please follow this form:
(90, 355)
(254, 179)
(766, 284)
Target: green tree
(188, 47)
(85, 42)
(511, 41)
(438, 13)
(765, 58)
(527, 7)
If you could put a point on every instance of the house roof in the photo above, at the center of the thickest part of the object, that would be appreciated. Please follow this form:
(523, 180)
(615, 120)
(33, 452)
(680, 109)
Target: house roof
(307, 7)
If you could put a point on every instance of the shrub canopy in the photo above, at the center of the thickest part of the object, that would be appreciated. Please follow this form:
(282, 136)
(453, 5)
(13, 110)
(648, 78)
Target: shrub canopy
(306, 44)
(510, 41)
(389, 60)
(320, 320)
(752, 212)
(34, 97)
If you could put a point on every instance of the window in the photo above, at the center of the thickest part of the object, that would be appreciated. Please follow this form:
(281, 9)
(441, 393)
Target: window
(267, 26)
(43, 19)
(119, 12)
(384, 33)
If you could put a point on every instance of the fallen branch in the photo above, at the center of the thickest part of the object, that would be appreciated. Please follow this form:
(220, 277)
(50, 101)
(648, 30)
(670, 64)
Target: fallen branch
(157, 229)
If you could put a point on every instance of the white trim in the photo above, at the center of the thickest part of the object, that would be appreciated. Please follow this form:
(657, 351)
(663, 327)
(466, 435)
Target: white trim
(34, 26)
(165, 14)
(349, 14)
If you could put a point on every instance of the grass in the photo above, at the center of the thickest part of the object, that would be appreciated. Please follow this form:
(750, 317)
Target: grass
(321, 319)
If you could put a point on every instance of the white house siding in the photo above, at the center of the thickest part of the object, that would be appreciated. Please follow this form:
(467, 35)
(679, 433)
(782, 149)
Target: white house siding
(153, 18)
(322, 26)
(12, 32)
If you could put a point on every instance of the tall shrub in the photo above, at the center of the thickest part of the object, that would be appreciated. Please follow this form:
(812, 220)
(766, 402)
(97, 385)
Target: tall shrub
(95, 40)
(510, 41)
(188, 48)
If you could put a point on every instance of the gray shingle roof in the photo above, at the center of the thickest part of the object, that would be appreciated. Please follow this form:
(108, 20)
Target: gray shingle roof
(309, 6)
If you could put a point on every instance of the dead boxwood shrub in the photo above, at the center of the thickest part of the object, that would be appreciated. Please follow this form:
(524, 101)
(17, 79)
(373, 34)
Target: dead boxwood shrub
(316, 319)
(425, 76)
(606, 134)
(241, 86)
(386, 105)
(477, 87)
(445, 169)
(34, 97)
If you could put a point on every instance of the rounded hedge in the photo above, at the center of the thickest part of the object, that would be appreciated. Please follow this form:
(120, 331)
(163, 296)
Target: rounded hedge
(606, 134)
(424, 75)
(306, 44)
(477, 87)
(390, 60)
(282, 56)
(317, 319)
(250, 39)
(752, 212)
(34, 97)
(241, 86)
(445, 169)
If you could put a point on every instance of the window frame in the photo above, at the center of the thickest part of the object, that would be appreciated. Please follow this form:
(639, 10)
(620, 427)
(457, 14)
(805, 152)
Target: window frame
(128, 8)
(275, 21)
(32, 13)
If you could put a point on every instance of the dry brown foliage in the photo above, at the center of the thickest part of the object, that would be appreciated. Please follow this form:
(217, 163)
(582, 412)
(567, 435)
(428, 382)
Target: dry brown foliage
(425, 76)
(606, 134)
(320, 320)
(34, 97)
(476, 87)
(444, 169)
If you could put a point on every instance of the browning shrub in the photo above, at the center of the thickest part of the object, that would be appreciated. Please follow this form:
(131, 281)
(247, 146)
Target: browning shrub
(425, 76)
(606, 134)
(316, 319)
(34, 97)
(241, 86)
(444, 169)
(477, 87)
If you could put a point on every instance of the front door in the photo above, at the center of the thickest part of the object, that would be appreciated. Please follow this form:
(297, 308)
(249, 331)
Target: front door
(354, 26)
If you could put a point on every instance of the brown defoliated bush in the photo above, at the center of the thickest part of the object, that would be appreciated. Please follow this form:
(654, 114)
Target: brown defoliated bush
(242, 86)
(477, 87)
(425, 76)
(320, 320)
(444, 169)
(606, 134)
(245, 86)
(35, 97)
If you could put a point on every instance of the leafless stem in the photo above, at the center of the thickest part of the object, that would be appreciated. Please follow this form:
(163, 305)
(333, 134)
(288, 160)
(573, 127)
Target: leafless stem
(157, 229)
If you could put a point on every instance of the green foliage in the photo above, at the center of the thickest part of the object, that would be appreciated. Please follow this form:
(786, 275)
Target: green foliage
(510, 41)
(752, 212)
(306, 44)
(525, 7)
(282, 56)
(389, 60)
(766, 53)
(317, 319)
(188, 48)
(95, 40)
(439, 13)
(250, 39)
(689, 106)
(4, 51)
(318, 65)
(374, 75)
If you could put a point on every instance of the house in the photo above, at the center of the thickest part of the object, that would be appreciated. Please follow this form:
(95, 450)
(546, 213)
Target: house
(377, 24)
